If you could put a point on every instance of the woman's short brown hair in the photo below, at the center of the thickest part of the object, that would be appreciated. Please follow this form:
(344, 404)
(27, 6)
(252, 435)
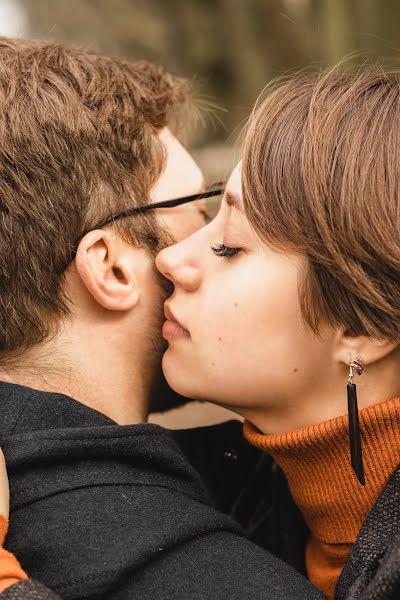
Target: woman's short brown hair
(78, 141)
(321, 178)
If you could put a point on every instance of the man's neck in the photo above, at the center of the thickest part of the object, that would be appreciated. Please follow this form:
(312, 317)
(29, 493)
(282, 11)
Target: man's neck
(115, 389)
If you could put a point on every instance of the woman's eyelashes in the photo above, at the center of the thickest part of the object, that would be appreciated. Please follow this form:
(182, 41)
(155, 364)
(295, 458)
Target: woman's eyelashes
(222, 250)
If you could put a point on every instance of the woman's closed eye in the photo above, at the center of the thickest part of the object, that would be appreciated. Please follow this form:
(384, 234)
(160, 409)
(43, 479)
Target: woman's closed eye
(226, 251)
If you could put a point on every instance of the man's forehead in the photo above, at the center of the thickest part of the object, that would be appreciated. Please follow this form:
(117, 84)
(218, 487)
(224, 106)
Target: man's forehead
(181, 175)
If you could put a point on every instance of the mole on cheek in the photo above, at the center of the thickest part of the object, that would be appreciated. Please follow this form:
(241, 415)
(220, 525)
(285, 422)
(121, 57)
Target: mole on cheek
(220, 339)
(295, 370)
(236, 304)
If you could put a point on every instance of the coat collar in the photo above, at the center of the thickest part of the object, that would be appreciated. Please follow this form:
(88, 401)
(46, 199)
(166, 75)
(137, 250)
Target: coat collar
(41, 431)
(373, 567)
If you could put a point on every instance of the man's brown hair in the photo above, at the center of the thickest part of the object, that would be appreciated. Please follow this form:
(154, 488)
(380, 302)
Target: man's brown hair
(321, 178)
(78, 141)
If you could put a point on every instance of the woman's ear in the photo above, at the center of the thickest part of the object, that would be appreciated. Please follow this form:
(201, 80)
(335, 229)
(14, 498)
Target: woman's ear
(106, 265)
(370, 349)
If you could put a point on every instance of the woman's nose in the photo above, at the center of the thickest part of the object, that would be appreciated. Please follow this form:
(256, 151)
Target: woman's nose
(177, 266)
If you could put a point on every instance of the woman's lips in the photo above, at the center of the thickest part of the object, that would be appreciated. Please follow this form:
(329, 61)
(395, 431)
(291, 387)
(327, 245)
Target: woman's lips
(171, 328)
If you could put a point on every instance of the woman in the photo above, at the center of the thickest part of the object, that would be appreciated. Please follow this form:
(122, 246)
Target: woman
(290, 292)
(288, 295)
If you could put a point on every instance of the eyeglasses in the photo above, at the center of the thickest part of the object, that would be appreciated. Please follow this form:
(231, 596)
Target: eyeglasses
(140, 210)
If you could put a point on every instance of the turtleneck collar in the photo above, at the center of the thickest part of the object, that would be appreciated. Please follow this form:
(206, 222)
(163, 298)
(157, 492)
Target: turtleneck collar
(316, 462)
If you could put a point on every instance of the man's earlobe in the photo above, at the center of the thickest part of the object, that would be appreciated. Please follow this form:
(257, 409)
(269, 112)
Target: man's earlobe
(106, 266)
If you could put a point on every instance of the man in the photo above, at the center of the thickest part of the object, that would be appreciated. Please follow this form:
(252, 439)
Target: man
(103, 506)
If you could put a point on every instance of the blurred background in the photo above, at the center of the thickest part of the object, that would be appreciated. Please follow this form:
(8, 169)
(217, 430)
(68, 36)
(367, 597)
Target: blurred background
(229, 48)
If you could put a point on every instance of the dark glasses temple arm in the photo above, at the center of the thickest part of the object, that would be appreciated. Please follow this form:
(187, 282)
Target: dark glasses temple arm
(163, 204)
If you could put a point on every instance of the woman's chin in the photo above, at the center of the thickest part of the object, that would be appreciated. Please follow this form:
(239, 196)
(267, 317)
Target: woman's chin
(173, 373)
(178, 377)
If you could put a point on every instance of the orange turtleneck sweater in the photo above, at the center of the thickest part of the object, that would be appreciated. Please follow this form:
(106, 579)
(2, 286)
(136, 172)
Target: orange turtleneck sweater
(10, 569)
(316, 462)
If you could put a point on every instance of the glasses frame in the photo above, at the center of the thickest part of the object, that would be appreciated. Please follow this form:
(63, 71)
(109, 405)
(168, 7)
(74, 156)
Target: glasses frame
(162, 204)
(139, 210)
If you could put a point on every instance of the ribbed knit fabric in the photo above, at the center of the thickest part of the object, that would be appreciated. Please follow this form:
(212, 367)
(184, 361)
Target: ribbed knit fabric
(10, 569)
(316, 462)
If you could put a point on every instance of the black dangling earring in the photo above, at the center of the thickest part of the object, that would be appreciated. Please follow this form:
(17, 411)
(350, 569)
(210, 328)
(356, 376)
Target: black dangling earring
(354, 424)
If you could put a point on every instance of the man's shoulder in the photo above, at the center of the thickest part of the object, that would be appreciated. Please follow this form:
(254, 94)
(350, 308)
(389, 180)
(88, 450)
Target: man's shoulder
(158, 543)
(85, 537)
(88, 504)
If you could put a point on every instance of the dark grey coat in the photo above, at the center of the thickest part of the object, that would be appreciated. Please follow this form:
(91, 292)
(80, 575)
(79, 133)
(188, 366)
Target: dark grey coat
(103, 511)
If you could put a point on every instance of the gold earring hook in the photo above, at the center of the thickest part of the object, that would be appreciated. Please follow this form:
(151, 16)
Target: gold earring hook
(357, 366)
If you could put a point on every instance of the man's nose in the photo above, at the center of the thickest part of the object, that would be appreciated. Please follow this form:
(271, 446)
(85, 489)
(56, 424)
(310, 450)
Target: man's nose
(176, 265)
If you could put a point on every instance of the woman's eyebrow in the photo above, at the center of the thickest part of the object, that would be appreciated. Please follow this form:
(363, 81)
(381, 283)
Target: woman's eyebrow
(233, 200)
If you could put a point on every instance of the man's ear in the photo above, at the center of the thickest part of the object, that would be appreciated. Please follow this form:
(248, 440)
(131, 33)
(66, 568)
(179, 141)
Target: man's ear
(106, 266)
(370, 349)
